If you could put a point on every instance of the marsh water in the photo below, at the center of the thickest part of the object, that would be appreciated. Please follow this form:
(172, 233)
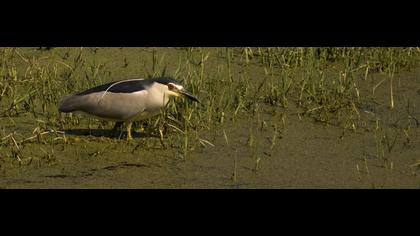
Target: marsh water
(264, 146)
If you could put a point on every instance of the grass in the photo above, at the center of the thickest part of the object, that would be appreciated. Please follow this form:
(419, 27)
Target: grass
(323, 84)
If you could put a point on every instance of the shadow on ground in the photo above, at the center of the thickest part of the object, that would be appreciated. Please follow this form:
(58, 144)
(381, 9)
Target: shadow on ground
(106, 133)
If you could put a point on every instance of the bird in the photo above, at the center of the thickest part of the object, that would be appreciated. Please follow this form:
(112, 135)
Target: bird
(126, 101)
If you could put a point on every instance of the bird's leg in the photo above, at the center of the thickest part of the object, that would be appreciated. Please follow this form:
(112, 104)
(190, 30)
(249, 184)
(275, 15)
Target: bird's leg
(129, 137)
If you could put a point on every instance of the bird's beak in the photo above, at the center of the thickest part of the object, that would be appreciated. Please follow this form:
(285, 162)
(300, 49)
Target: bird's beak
(189, 95)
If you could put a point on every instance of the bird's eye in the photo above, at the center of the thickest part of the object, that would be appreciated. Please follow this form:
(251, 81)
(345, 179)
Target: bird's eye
(171, 86)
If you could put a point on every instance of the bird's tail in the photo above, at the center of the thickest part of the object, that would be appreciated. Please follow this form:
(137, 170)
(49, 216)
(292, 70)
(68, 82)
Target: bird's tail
(69, 104)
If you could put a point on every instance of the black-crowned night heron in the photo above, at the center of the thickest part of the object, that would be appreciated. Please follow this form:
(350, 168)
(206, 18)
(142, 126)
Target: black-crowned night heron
(126, 100)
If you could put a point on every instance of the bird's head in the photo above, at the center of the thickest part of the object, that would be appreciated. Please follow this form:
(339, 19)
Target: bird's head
(174, 88)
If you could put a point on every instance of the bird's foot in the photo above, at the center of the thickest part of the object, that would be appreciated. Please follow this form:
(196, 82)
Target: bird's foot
(129, 137)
